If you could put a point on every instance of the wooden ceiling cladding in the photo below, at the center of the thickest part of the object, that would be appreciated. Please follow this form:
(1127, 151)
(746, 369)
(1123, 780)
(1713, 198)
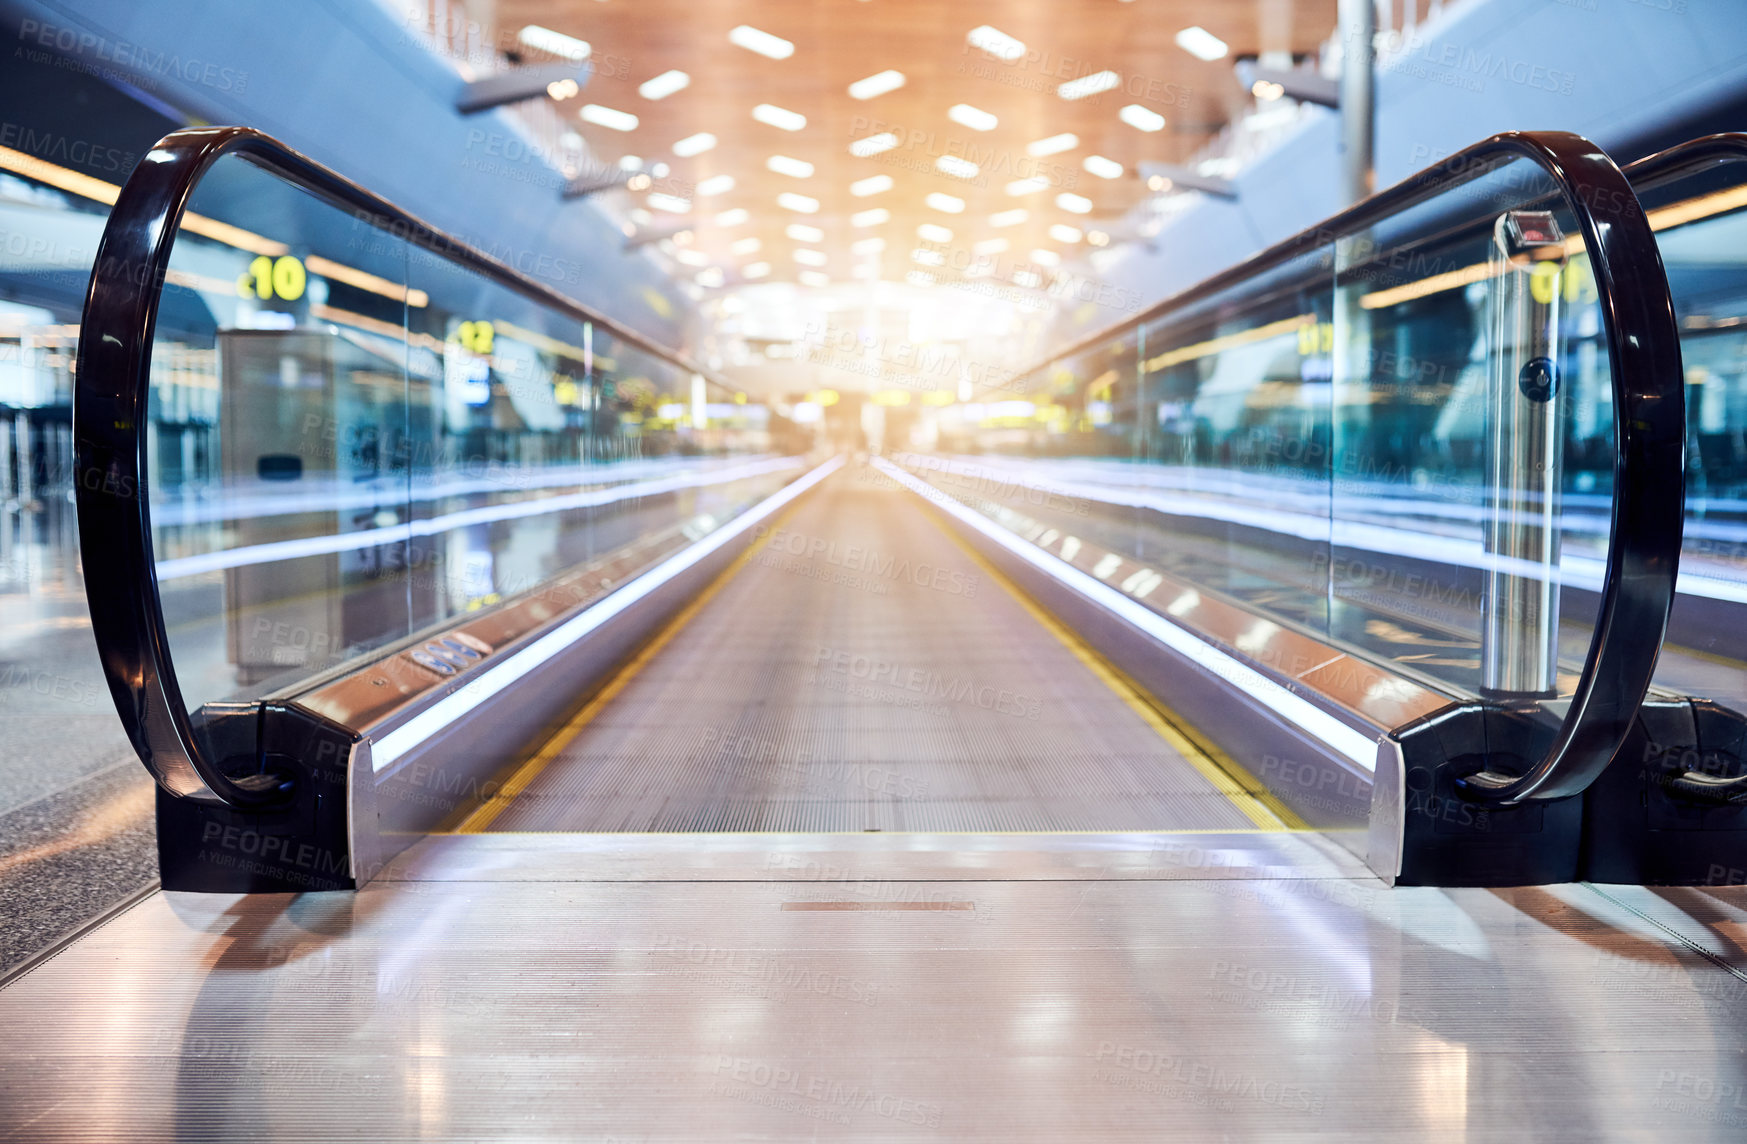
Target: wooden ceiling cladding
(837, 42)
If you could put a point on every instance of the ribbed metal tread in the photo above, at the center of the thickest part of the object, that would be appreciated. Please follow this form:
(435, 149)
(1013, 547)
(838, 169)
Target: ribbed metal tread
(766, 710)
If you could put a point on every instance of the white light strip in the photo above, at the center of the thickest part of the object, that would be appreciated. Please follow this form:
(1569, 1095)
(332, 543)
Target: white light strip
(489, 681)
(182, 566)
(1295, 709)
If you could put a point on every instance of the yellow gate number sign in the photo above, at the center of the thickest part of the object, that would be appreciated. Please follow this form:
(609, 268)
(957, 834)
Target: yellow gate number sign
(283, 278)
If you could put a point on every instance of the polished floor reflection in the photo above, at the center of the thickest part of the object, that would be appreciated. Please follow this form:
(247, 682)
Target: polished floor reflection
(1167, 987)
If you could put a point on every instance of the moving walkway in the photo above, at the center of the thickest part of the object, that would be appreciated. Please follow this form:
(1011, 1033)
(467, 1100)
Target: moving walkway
(677, 780)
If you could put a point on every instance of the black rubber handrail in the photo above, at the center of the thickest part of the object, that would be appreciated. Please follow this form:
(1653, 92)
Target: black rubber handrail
(1649, 394)
(1652, 173)
(109, 420)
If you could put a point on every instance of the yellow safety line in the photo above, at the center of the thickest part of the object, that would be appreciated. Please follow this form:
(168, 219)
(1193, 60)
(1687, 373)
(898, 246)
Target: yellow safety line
(487, 812)
(1257, 803)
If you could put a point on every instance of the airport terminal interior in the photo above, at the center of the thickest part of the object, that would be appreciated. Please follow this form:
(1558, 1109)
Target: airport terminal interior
(873, 570)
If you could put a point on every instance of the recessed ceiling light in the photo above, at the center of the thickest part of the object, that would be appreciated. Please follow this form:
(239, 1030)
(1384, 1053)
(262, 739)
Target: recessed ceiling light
(608, 117)
(716, 185)
(663, 85)
(1202, 44)
(755, 270)
(956, 167)
(873, 144)
(709, 279)
(562, 89)
(1141, 118)
(1027, 186)
(779, 117)
(996, 42)
(692, 257)
(799, 203)
(934, 232)
(1102, 167)
(872, 185)
(1008, 218)
(990, 246)
(639, 182)
(630, 163)
(973, 117)
(1089, 85)
(672, 204)
(876, 85)
(875, 217)
(813, 278)
(801, 232)
(1097, 238)
(747, 245)
(808, 257)
(1055, 144)
(765, 44)
(733, 217)
(927, 257)
(555, 43)
(694, 145)
(1265, 90)
(1078, 204)
(1063, 233)
(795, 168)
(951, 204)
(868, 245)
(1046, 258)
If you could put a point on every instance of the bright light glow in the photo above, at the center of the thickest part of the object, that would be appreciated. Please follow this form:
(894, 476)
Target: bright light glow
(608, 117)
(1141, 118)
(747, 245)
(1294, 709)
(813, 278)
(801, 232)
(765, 44)
(710, 279)
(990, 246)
(795, 168)
(779, 117)
(1046, 258)
(927, 257)
(1202, 44)
(973, 117)
(672, 204)
(1097, 238)
(950, 204)
(555, 43)
(872, 185)
(863, 219)
(755, 270)
(1158, 183)
(996, 42)
(919, 278)
(1063, 233)
(876, 85)
(809, 257)
(1027, 186)
(934, 232)
(510, 669)
(1054, 145)
(630, 163)
(798, 203)
(873, 144)
(868, 245)
(956, 167)
(866, 271)
(1267, 90)
(692, 257)
(562, 89)
(716, 185)
(663, 85)
(733, 218)
(1008, 218)
(1088, 85)
(1077, 204)
(694, 145)
(639, 182)
(1102, 167)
